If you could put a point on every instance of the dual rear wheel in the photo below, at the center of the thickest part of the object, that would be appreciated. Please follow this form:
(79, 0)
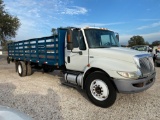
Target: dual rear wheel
(23, 69)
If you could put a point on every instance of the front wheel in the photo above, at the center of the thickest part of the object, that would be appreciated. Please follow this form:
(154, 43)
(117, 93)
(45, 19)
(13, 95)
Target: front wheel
(100, 90)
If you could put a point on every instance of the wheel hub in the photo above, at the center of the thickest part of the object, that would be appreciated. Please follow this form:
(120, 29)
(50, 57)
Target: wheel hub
(19, 69)
(99, 90)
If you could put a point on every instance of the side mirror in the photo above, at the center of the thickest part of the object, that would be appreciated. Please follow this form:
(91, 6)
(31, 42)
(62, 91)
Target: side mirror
(69, 40)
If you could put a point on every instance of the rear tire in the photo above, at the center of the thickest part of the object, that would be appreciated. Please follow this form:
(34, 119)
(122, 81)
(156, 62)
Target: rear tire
(22, 69)
(16, 65)
(29, 69)
(100, 90)
(8, 60)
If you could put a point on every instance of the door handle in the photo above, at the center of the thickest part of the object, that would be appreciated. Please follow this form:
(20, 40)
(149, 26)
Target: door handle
(68, 59)
(80, 52)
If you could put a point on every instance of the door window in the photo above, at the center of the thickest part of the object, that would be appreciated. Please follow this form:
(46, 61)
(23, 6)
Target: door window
(78, 40)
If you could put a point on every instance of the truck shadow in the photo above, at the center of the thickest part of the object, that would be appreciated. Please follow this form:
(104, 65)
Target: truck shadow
(37, 106)
(61, 77)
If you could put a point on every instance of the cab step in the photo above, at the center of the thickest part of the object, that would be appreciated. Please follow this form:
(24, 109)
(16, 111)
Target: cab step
(70, 85)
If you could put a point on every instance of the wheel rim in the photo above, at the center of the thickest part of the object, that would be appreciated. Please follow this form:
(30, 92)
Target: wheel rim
(99, 90)
(19, 69)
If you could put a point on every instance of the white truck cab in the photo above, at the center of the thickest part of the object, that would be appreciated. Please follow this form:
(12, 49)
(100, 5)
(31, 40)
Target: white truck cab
(96, 62)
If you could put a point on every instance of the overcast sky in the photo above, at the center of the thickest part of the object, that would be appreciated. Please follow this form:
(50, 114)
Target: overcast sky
(127, 17)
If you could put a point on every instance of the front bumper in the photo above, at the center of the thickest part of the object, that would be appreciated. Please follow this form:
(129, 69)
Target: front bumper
(134, 86)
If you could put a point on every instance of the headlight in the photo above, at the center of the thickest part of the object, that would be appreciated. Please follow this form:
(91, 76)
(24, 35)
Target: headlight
(132, 75)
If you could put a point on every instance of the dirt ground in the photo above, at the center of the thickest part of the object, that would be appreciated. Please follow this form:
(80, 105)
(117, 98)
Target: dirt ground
(43, 97)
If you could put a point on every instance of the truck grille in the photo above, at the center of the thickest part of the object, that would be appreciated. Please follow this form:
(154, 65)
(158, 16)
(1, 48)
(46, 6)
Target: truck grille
(147, 66)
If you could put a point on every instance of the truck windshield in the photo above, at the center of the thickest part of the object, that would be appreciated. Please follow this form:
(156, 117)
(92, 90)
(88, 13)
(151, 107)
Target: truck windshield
(97, 38)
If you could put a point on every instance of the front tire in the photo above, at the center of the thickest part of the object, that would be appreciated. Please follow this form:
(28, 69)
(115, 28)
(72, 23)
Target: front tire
(100, 90)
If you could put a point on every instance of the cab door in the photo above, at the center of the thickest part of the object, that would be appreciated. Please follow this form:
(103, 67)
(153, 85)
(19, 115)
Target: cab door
(77, 58)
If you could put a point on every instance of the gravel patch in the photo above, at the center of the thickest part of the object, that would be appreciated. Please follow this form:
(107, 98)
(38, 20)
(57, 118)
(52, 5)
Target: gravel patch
(43, 97)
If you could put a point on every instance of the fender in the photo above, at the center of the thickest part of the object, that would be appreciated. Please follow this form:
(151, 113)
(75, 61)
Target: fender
(110, 67)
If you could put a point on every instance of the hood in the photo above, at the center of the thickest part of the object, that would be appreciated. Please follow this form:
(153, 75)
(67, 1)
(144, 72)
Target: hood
(124, 54)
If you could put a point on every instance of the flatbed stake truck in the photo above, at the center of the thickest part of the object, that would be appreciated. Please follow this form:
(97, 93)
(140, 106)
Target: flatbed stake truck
(90, 58)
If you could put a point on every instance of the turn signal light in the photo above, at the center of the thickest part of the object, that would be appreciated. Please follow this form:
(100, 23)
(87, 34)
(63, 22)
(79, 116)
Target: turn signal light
(68, 38)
